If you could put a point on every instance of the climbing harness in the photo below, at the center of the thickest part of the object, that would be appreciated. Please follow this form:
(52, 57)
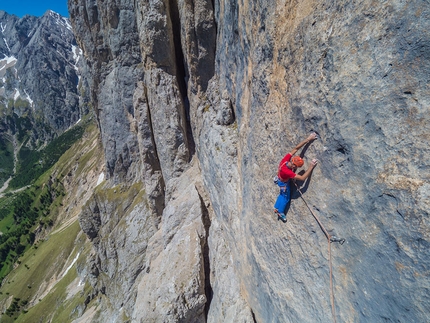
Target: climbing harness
(282, 200)
(330, 239)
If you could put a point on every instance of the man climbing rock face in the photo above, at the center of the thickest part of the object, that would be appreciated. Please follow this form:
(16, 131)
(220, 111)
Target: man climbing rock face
(286, 171)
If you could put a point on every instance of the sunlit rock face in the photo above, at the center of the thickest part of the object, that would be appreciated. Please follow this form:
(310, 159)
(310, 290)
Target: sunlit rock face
(199, 101)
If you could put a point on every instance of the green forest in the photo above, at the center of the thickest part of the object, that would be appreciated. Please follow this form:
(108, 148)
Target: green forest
(33, 163)
(23, 212)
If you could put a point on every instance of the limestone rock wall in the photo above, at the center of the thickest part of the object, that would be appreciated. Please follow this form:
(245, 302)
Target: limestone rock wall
(349, 72)
(236, 85)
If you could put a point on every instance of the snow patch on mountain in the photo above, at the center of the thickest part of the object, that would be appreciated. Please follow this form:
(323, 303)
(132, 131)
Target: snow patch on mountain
(77, 54)
(59, 20)
(17, 95)
(28, 98)
(7, 61)
(7, 45)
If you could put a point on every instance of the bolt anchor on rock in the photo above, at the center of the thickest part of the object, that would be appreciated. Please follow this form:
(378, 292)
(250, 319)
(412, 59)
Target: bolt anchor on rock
(336, 239)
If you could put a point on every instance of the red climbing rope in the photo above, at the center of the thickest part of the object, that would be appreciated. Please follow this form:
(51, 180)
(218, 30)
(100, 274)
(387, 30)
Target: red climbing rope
(328, 236)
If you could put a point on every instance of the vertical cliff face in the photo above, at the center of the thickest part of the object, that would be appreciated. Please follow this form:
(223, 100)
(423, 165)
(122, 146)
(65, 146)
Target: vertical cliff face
(353, 76)
(198, 101)
(349, 72)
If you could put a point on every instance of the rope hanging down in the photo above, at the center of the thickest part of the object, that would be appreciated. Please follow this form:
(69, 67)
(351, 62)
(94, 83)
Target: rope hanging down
(330, 239)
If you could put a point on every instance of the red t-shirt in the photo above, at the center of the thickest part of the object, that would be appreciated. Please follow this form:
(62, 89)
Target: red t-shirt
(284, 173)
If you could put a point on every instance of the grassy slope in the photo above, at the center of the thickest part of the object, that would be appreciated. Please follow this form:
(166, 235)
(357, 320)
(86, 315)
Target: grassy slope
(42, 267)
(36, 269)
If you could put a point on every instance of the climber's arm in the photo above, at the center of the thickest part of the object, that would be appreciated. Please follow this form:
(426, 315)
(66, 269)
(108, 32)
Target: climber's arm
(311, 137)
(308, 171)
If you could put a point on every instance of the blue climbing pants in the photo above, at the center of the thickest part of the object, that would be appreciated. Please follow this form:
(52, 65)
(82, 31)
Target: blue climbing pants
(283, 197)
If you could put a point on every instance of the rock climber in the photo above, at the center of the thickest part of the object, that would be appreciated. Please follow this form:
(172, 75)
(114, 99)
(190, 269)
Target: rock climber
(286, 171)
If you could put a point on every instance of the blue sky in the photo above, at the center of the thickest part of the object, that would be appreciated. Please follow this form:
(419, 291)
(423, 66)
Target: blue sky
(34, 7)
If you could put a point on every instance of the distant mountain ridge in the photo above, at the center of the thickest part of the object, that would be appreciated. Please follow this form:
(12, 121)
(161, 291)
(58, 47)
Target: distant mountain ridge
(39, 95)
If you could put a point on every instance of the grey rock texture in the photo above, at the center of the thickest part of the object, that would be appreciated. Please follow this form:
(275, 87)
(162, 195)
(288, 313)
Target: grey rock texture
(109, 40)
(173, 287)
(227, 304)
(117, 223)
(39, 62)
(236, 85)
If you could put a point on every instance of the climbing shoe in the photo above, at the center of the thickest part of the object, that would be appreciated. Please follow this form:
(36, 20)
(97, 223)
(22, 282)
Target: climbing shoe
(281, 216)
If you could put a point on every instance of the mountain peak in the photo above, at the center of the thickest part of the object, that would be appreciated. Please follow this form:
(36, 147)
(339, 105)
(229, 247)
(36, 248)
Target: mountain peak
(52, 14)
(38, 73)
